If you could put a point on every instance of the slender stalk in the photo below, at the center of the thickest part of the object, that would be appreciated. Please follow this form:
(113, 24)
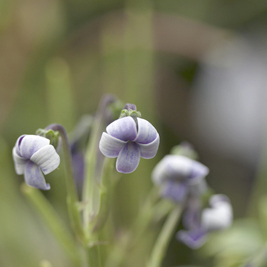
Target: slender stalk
(141, 223)
(57, 227)
(105, 194)
(164, 238)
(72, 197)
(91, 186)
(93, 255)
(93, 250)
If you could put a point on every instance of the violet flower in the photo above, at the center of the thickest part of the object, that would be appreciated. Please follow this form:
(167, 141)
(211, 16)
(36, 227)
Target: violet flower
(218, 217)
(34, 156)
(177, 175)
(129, 139)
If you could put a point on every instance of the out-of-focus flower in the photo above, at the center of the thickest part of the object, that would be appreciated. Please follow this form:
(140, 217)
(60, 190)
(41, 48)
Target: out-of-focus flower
(34, 156)
(176, 175)
(129, 139)
(199, 223)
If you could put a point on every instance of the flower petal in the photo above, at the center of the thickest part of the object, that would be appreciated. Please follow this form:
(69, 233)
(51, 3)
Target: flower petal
(110, 146)
(34, 177)
(193, 238)
(179, 168)
(219, 216)
(197, 171)
(128, 158)
(19, 162)
(149, 151)
(146, 132)
(46, 158)
(174, 190)
(30, 144)
(17, 145)
(123, 129)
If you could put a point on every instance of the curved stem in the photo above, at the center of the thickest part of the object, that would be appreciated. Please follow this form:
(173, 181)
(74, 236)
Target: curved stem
(72, 197)
(164, 238)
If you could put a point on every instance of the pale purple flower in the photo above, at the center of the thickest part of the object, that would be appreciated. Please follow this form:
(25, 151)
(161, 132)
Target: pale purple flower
(218, 217)
(34, 156)
(129, 139)
(178, 175)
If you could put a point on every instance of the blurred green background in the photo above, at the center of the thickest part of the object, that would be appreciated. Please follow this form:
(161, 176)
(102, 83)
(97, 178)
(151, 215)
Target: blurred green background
(58, 58)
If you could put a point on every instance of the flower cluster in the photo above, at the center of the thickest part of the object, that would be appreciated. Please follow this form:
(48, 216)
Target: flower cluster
(200, 222)
(182, 180)
(34, 156)
(179, 177)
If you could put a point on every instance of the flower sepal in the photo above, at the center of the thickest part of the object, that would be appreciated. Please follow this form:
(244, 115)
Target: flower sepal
(132, 113)
(53, 136)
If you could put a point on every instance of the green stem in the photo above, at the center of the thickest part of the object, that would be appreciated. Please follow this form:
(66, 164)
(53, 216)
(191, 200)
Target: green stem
(164, 238)
(93, 250)
(52, 220)
(143, 220)
(72, 197)
(93, 255)
(105, 194)
(91, 186)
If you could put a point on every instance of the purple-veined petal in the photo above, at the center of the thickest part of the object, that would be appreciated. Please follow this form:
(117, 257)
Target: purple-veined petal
(148, 151)
(30, 144)
(146, 132)
(110, 146)
(219, 216)
(128, 158)
(34, 177)
(174, 190)
(46, 158)
(123, 129)
(193, 238)
(18, 143)
(19, 162)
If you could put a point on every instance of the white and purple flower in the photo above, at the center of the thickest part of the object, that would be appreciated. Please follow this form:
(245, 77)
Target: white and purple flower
(129, 139)
(34, 156)
(218, 217)
(177, 175)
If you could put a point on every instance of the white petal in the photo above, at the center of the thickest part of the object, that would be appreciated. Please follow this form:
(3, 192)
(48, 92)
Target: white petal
(146, 132)
(30, 144)
(17, 145)
(180, 168)
(19, 162)
(148, 151)
(46, 158)
(219, 216)
(110, 146)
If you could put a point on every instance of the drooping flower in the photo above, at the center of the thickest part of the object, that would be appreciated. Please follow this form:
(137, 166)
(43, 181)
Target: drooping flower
(178, 175)
(218, 217)
(34, 156)
(129, 139)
